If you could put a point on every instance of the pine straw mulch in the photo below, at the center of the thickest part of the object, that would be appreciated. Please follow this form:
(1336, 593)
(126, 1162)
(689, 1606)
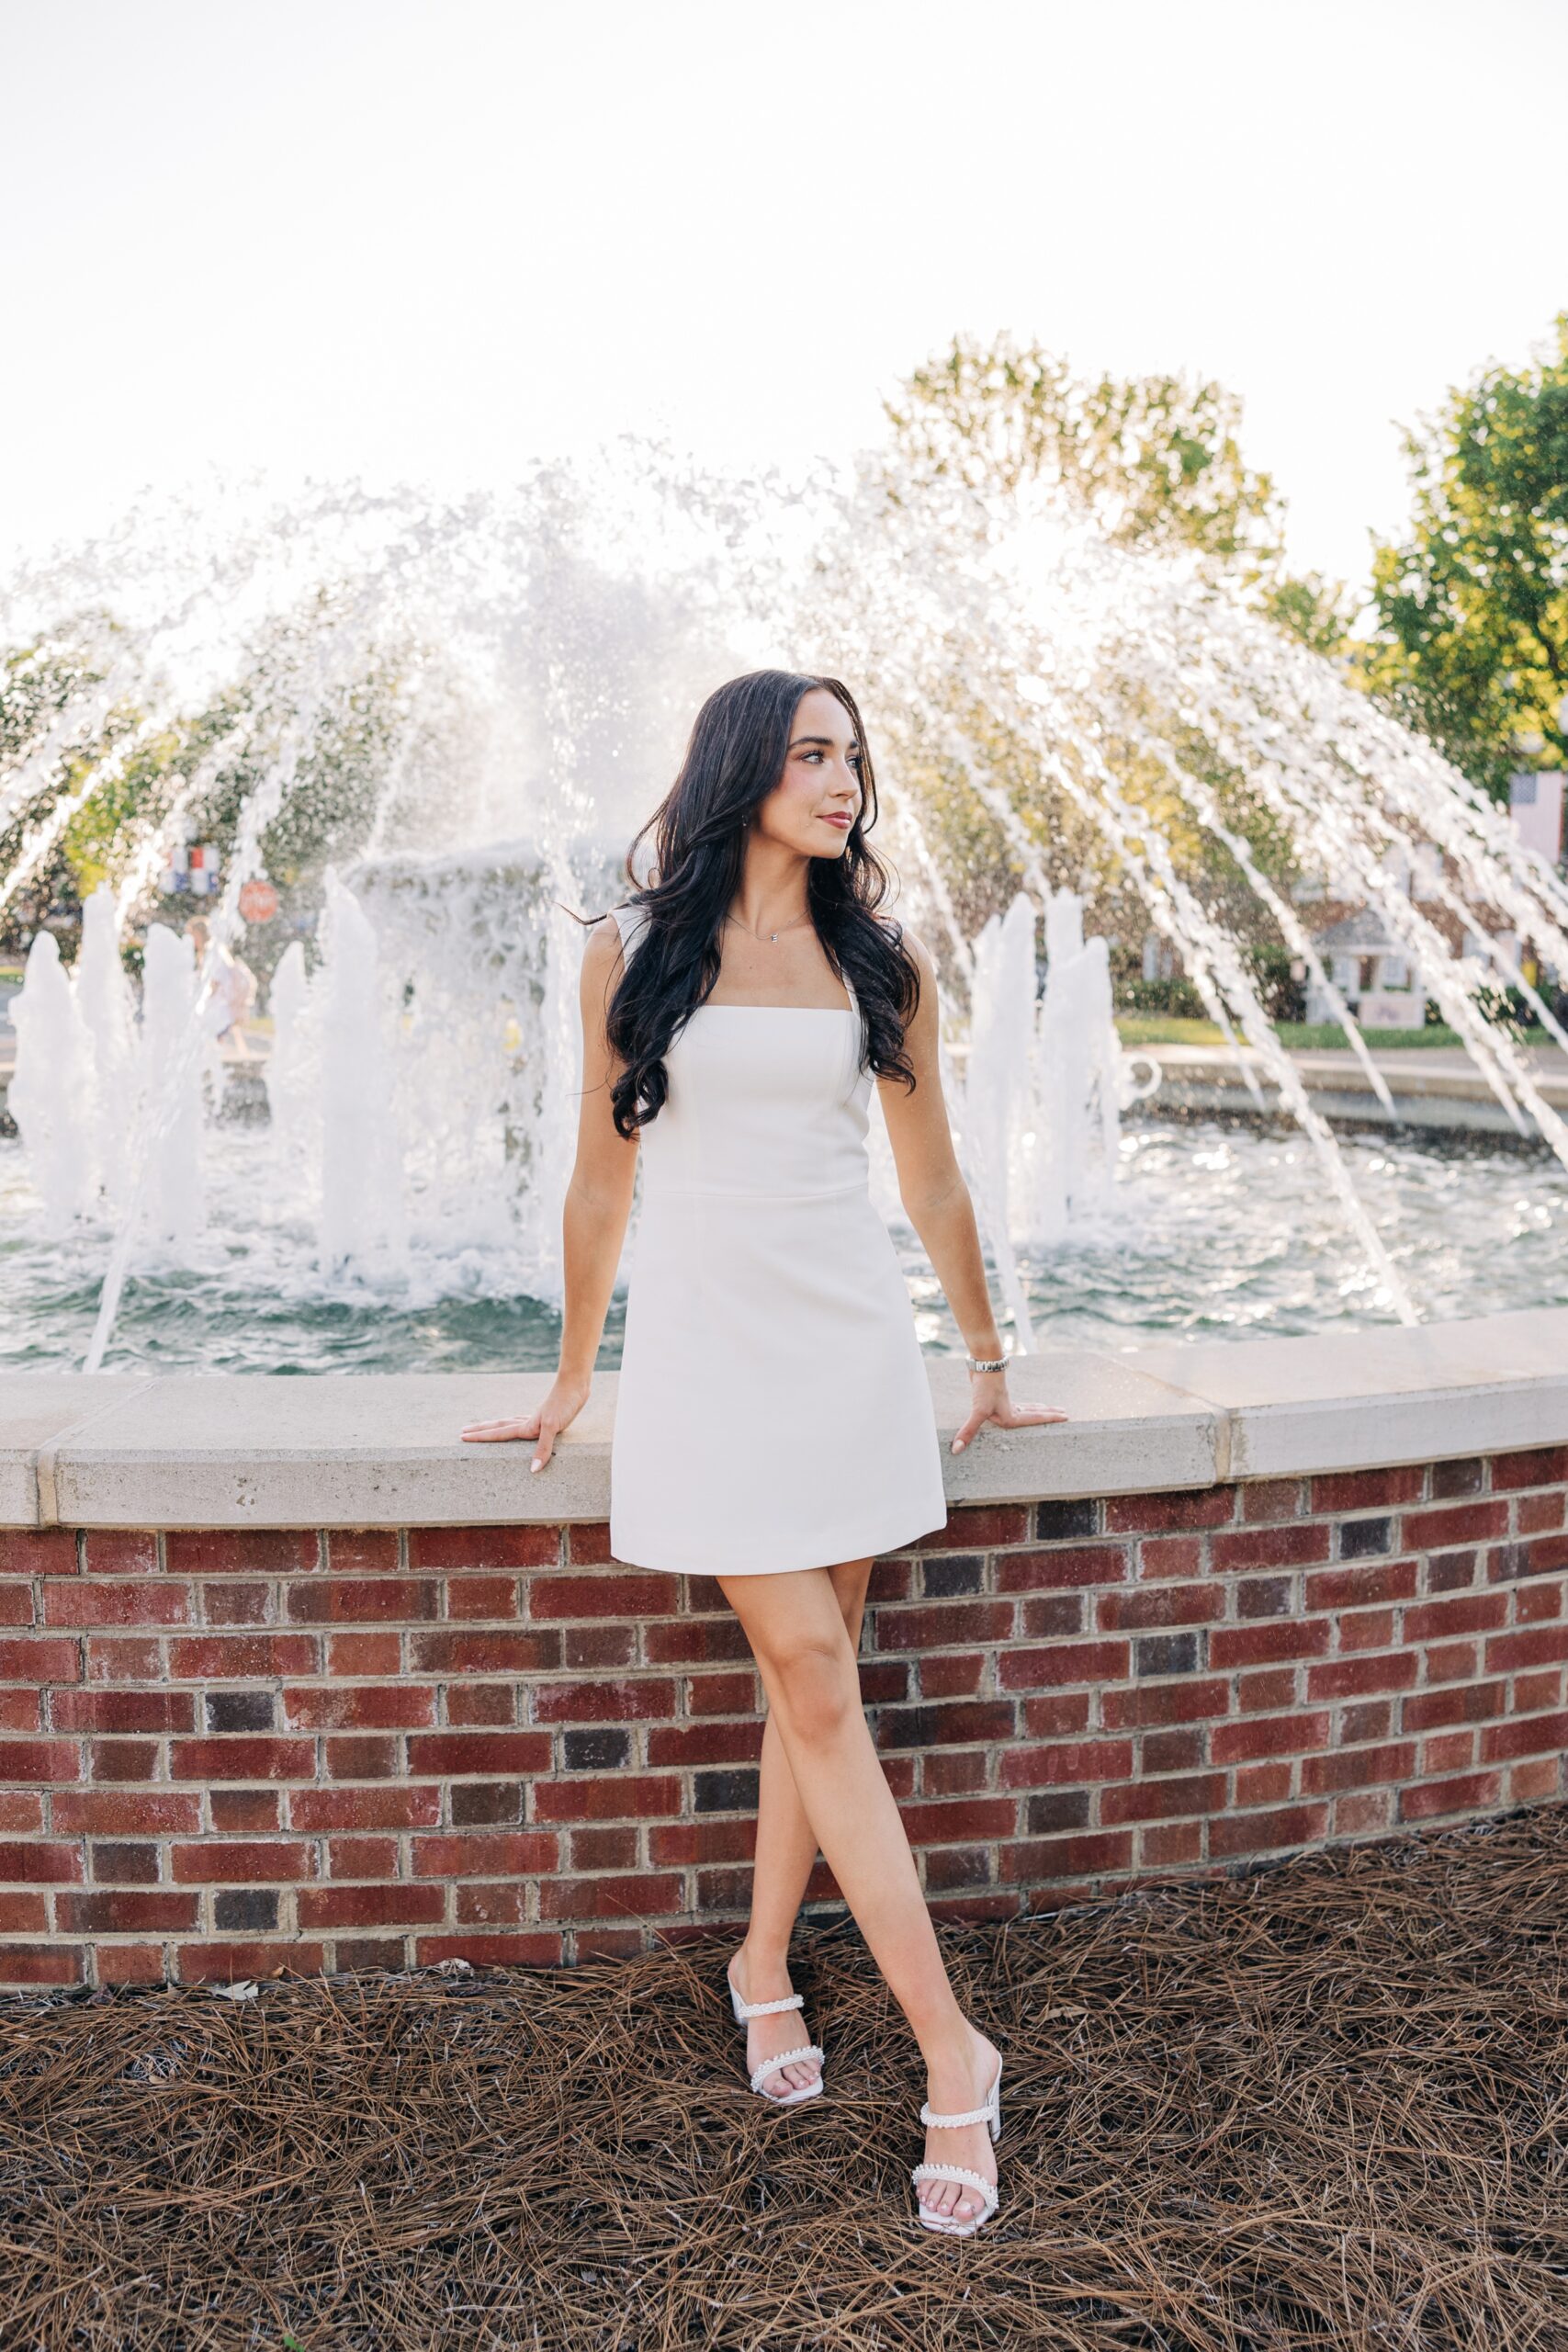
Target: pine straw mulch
(1322, 2104)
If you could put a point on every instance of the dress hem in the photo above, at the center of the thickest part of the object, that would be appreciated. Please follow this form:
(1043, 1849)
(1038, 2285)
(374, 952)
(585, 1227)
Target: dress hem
(855, 1550)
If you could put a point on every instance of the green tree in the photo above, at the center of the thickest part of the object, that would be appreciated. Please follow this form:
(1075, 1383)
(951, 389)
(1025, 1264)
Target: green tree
(1473, 601)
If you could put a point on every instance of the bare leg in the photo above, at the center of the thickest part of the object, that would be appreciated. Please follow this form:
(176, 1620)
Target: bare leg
(786, 1852)
(799, 1639)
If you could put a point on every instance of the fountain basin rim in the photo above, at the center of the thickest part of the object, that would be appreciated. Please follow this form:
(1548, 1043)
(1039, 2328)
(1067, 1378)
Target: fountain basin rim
(191, 1450)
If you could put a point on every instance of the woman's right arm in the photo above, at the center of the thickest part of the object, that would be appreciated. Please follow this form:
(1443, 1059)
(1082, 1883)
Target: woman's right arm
(593, 1223)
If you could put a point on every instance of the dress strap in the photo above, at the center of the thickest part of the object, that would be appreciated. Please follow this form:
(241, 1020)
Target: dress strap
(631, 922)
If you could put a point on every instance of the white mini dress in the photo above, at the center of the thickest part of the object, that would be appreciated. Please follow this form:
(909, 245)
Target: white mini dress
(772, 1411)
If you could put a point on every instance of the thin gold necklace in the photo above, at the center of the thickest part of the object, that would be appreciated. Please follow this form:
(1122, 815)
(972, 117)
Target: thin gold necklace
(772, 934)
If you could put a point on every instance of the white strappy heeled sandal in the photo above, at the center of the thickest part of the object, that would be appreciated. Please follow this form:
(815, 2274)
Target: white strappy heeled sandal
(748, 2009)
(990, 2113)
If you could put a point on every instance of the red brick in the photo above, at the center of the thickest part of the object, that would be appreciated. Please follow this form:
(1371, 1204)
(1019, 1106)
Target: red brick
(124, 1911)
(123, 1759)
(631, 1896)
(1466, 1612)
(35, 1863)
(41, 1964)
(695, 1641)
(1046, 1858)
(123, 1711)
(120, 1550)
(241, 1550)
(471, 1703)
(42, 1552)
(952, 1676)
(1343, 1490)
(516, 1853)
(1191, 1699)
(242, 1759)
(228, 1962)
(1534, 1604)
(493, 1903)
(362, 1755)
(721, 1694)
(246, 1813)
(139, 1600)
(960, 1821)
(23, 1914)
(237, 1604)
(1356, 1586)
(352, 1905)
(359, 1706)
(947, 1624)
(1525, 1735)
(616, 1595)
(493, 1753)
(1286, 1827)
(1471, 1793)
(605, 1849)
(484, 1547)
(363, 1600)
(1035, 1669)
(356, 1654)
(534, 1951)
(248, 1657)
(403, 1805)
(118, 1658)
(1065, 1763)
(1533, 1645)
(1260, 1784)
(1199, 1506)
(21, 1813)
(1162, 1800)
(1345, 1678)
(131, 1964)
(1270, 1499)
(976, 1527)
(1537, 1466)
(1171, 1844)
(1430, 1531)
(1268, 1639)
(464, 1650)
(16, 1602)
(602, 1702)
(488, 1598)
(48, 1658)
(1539, 1514)
(1357, 1767)
(1054, 1566)
(679, 1845)
(362, 1548)
(1141, 1606)
(588, 1542)
(1169, 1556)
(39, 1759)
(714, 1742)
(223, 1862)
(1295, 1545)
(608, 1796)
(1258, 1736)
(131, 1813)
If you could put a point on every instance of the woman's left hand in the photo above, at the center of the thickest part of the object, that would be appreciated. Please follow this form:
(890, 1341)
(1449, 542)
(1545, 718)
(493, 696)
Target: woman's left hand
(989, 1401)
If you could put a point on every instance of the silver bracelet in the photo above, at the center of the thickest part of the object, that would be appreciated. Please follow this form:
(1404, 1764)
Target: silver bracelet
(987, 1363)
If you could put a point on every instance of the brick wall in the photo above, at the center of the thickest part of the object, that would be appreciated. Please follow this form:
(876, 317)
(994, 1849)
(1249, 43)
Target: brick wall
(225, 1752)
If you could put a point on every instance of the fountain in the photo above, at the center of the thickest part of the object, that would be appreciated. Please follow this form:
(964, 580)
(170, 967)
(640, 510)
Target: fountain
(446, 722)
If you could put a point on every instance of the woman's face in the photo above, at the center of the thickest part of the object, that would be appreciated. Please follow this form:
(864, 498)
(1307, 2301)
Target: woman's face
(813, 806)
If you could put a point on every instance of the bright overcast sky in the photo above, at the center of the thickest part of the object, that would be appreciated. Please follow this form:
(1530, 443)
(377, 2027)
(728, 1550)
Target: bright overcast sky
(437, 238)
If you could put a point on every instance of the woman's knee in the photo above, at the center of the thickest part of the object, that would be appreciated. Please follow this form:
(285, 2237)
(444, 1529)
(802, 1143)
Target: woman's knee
(818, 1685)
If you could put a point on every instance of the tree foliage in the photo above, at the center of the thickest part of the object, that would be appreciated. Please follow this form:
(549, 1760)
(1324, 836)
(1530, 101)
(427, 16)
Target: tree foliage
(1473, 600)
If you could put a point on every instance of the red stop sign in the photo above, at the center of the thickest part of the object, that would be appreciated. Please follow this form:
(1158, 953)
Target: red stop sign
(258, 902)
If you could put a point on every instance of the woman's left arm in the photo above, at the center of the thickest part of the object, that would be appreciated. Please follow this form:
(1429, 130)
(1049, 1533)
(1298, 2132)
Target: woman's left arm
(936, 1200)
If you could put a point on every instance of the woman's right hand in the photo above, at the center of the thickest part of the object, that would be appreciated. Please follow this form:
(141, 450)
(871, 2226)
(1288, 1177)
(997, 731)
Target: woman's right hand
(559, 1409)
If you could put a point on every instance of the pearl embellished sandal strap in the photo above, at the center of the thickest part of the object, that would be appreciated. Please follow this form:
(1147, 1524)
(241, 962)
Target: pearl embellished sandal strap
(963, 2178)
(789, 2058)
(953, 2122)
(771, 2008)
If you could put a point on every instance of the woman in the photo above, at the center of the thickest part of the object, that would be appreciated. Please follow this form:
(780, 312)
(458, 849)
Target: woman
(774, 1422)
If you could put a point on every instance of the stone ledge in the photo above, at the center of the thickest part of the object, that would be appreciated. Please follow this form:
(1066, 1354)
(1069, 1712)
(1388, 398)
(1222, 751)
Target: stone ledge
(192, 1450)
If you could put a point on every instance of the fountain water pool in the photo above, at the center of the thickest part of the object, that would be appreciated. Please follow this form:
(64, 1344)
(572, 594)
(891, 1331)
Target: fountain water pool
(417, 684)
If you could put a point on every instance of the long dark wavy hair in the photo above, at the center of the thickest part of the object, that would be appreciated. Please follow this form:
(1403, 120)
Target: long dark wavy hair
(735, 757)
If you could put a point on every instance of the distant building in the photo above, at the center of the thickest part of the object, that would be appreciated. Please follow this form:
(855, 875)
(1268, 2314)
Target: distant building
(1371, 971)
